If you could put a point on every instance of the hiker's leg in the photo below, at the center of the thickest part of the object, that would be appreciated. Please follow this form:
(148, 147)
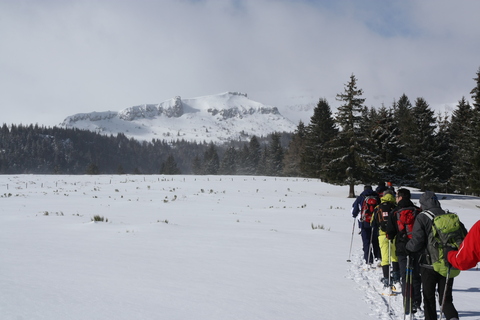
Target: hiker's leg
(429, 282)
(417, 281)
(448, 309)
(402, 263)
(366, 243)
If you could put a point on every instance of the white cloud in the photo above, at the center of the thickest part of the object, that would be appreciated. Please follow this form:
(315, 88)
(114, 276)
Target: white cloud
(59, 58)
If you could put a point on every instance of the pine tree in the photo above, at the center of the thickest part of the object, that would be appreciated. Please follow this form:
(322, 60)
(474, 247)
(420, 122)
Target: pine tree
(461, 129)
(405, 123)
(228, 163)
(211, 162)
(170, 166)
(387, 145)
(275, 156)
(292, 157)
(262, 164)
(318, 133)
(345, 166)
(476, 91)
(197, 166)
(474, 174)
(443, 157)
(253, 157)
(423, 146)
(92, 169)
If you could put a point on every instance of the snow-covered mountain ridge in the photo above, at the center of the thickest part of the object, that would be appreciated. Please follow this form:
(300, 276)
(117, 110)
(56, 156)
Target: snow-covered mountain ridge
(217, 118)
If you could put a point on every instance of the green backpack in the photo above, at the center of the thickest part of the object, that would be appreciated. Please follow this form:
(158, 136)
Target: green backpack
(446, 232)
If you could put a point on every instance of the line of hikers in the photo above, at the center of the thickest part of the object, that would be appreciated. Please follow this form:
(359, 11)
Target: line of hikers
(423, 247)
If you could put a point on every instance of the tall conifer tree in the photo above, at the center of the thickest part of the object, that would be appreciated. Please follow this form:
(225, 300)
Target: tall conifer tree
(474, 174)
(346, 166)
(318, 133)
(422, 144)
(461, 129)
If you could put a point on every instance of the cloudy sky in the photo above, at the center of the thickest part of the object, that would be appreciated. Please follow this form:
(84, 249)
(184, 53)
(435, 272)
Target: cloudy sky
(61, 57)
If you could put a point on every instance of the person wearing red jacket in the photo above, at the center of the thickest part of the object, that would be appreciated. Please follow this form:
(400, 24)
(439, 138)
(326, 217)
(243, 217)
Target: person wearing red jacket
(468, 255)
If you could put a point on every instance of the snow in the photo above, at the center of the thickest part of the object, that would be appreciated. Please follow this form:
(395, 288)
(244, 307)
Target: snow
(192, 247)
(215, 118)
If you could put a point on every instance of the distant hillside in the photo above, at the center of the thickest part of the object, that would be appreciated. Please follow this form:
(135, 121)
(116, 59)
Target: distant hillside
(215, 118)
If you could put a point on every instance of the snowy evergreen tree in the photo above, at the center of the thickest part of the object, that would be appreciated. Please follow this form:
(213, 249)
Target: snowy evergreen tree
(423, 146)
(345, 166)
(228, 164)
(443, 158)
(254, 154)
(275, 156)
(292, 157)
(318, 133)
(461, 129)
(369, 153)
(402, 114)
(263, 163)
(476, 91)
(170, 166)
(474, 174)
(211, 162)
(197, 167)
(385, 137)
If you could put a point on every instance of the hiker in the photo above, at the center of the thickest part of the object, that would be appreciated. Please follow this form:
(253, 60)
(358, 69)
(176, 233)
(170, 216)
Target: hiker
(381, 189)
(468, 255)
(431, 280)
(391, 188)
(387, 247)
(368, 231)
(399, 229)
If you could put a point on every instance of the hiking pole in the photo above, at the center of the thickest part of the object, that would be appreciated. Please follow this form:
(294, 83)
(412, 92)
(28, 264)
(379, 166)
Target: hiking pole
(351, 241)
(370, 247)
(389, 275)
(407, 298)
(444, 293)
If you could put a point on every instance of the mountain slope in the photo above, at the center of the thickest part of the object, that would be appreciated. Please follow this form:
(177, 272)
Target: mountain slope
(217, 118)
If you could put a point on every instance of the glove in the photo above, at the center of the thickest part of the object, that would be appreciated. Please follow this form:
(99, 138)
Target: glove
(446, 250)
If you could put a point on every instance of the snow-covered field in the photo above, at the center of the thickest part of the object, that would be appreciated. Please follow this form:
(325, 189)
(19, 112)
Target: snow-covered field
(192, 247)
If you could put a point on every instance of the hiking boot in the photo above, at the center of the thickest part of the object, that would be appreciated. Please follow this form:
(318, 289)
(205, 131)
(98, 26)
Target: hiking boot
(416, 306)
(385, 282)
(395, 276)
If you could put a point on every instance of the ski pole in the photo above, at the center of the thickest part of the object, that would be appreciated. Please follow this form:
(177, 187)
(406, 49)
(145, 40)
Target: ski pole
(407, 298)
(370, 246)
(389, 273)
(351, 241)
(444, 293)
(389, 262)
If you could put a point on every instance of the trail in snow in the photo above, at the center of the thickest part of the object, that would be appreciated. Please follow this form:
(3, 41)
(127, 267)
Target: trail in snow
(369, 284)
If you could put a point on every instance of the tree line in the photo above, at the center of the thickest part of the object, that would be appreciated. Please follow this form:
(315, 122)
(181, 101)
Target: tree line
(406, 143)
(34, 149)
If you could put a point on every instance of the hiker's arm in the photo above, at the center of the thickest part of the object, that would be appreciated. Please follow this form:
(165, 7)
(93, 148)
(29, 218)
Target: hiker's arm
(356, 207)
(419, 236)
(468, 255)
(391, 226)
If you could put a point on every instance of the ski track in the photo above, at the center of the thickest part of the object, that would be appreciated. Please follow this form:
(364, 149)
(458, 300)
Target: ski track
(368, 283)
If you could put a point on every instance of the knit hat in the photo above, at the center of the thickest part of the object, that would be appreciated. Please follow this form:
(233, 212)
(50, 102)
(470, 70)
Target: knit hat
(388, 198)
(429, 200)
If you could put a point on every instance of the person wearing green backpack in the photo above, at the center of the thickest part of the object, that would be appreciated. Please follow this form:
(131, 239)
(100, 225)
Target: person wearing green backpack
(429, 239)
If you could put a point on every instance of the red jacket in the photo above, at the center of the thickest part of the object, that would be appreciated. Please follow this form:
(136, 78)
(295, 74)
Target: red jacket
(468, 255)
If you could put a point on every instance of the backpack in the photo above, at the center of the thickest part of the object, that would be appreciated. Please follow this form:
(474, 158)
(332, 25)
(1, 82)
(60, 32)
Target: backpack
(447, 231)
(382, 213)
(405, 219)
(368, 208)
